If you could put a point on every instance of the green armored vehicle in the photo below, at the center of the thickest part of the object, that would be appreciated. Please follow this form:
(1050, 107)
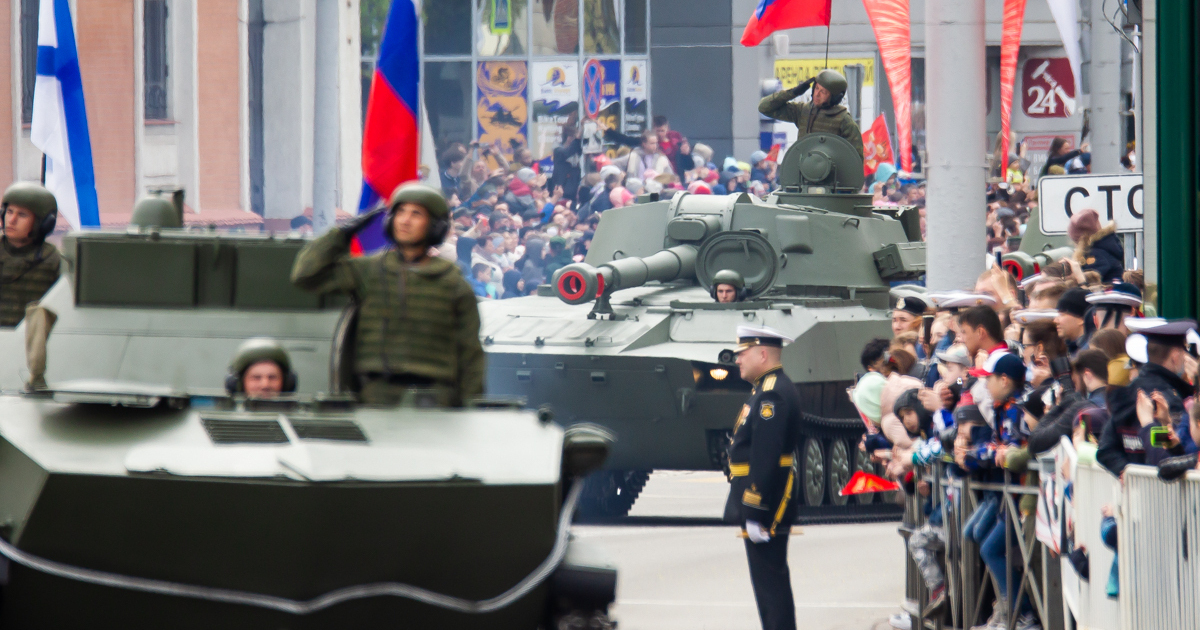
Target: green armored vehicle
(136, 493)
(632, 338)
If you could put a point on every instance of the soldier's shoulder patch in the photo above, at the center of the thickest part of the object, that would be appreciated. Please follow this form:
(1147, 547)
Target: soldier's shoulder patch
(766, 410)
(768, 383)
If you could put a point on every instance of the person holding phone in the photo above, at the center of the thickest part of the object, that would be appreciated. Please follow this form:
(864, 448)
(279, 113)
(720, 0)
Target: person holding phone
(1158, 392)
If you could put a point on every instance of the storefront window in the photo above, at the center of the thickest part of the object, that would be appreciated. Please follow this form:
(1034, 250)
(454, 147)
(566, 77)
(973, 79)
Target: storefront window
(601, 27)
(448, 102)
(635, 27)
(447, 27)
(555, 27)
(503, 27)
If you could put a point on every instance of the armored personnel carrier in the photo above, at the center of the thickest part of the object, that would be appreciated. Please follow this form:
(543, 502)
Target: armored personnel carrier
(136, 493)
(632, 339)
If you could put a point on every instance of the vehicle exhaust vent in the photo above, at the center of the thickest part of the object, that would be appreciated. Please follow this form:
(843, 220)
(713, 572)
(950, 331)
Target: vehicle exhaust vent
(336, 430)
(224, 431)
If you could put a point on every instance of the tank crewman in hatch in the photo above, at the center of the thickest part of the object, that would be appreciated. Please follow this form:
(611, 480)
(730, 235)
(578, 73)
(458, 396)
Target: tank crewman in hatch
(728, 286)
(28, 264)
(762, 472)
(823, 114)
(418, 322)
(260, 368)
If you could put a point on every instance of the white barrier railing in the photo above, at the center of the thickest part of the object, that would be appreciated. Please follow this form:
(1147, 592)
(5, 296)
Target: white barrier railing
(1158, 533)
(1087, 600)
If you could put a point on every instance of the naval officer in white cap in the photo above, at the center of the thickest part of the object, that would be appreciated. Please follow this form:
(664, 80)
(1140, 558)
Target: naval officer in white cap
(762, 473)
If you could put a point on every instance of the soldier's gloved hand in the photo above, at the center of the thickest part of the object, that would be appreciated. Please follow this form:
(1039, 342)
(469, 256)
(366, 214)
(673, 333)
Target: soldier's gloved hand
(356, 225)
(756, 533)
(803, 87)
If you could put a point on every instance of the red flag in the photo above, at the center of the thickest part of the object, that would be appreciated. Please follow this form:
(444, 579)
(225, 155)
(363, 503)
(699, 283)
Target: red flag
(1010, 46)
(889, 19)
(777, 15)
(863, 483)
(773, 154)
(877, 147)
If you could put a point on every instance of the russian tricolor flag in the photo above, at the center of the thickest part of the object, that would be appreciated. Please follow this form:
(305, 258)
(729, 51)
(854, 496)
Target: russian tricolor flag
(777, 15)
(60, 127)
(391, 135)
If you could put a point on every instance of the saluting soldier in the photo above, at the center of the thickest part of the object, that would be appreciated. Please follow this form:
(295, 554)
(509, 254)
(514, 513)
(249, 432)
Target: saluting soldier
(29, 265)
(823, 114)
(762, 474)
(418, 322)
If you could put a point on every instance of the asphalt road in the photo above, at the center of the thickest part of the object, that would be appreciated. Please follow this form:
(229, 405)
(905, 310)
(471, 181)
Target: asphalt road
(694, 577)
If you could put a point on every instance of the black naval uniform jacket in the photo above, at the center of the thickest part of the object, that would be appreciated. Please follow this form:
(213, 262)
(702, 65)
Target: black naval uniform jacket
(766, 438)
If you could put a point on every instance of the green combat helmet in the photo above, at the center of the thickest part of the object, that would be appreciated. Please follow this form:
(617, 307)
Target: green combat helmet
(151, 212)
(426, 197)
(253, 351)
(833, 81)
(35, 198)
(733, 279)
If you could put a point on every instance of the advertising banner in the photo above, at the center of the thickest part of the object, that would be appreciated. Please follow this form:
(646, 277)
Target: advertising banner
(791, 72)
(637, 108)
(1047, 88)
(501, 106)
(610, 93)
(554, 90)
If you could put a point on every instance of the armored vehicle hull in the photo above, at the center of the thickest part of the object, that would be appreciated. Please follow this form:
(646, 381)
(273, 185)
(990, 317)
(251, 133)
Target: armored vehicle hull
(633, 339)
(135, 493)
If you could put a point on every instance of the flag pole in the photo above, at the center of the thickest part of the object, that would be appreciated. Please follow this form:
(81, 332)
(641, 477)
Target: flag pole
(43, 169)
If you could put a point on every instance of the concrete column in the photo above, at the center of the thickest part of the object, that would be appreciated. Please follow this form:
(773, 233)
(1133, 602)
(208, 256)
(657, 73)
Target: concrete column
(350, 103)
(325, 115)
(288, 110)
(955, 74)
(1104, 74)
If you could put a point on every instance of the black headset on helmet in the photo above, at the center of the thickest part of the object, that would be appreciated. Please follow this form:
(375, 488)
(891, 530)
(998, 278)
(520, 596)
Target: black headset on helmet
(441, 224)
(42, 229)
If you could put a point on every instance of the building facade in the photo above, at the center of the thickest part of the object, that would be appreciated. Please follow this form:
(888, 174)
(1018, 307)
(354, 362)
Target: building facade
(492, 70)
(212, 96)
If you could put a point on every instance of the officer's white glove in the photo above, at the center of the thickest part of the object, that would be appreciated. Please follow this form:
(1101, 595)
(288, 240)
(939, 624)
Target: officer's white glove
(756, 533)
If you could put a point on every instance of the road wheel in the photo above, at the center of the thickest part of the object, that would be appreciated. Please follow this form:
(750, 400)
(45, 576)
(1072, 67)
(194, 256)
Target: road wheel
(812, 471)
(610, 493)
(839, 470)
(862, 461)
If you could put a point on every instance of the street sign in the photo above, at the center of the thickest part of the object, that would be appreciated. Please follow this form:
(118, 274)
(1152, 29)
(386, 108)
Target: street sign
(1116, 197)
(593, 82)
(1048, 88)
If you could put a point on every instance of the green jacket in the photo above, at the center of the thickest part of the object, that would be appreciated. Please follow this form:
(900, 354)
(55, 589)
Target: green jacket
(420, 320)
(26, 274)
(835, 120)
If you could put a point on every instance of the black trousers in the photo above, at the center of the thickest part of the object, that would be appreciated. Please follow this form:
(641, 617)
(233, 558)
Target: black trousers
(772, 582)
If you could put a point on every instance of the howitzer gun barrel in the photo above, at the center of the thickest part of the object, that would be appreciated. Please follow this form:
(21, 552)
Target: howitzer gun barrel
(581, 282)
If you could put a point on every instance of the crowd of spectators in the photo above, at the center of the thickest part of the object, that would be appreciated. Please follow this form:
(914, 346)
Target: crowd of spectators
(517, 220)
(986, 380)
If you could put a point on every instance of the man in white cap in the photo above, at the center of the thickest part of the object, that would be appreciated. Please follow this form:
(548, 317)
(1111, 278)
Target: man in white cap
(1160, 387)
(1114, 305)
(762, 474)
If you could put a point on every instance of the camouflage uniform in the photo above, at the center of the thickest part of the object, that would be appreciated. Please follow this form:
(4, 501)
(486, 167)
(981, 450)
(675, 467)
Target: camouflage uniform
(26, 274)
(418, 325)
(835, 120)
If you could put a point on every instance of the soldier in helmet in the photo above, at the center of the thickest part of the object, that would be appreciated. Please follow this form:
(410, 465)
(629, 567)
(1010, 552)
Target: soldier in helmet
(28, 264)
(151, 212)
(823, 114)
(260, 368)
(728, 286)
(418, 322)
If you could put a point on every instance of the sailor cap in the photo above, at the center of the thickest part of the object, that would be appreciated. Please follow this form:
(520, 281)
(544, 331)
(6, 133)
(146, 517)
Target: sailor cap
(961, 299)
(750, 336)
(1030, 315)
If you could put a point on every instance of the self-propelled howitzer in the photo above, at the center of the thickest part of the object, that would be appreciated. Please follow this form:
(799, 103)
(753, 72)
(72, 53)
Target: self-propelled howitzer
(632, 338)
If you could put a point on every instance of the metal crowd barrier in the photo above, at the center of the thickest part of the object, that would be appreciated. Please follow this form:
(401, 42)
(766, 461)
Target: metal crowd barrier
(1158, 530)
(970, 588)
(1158, 539)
